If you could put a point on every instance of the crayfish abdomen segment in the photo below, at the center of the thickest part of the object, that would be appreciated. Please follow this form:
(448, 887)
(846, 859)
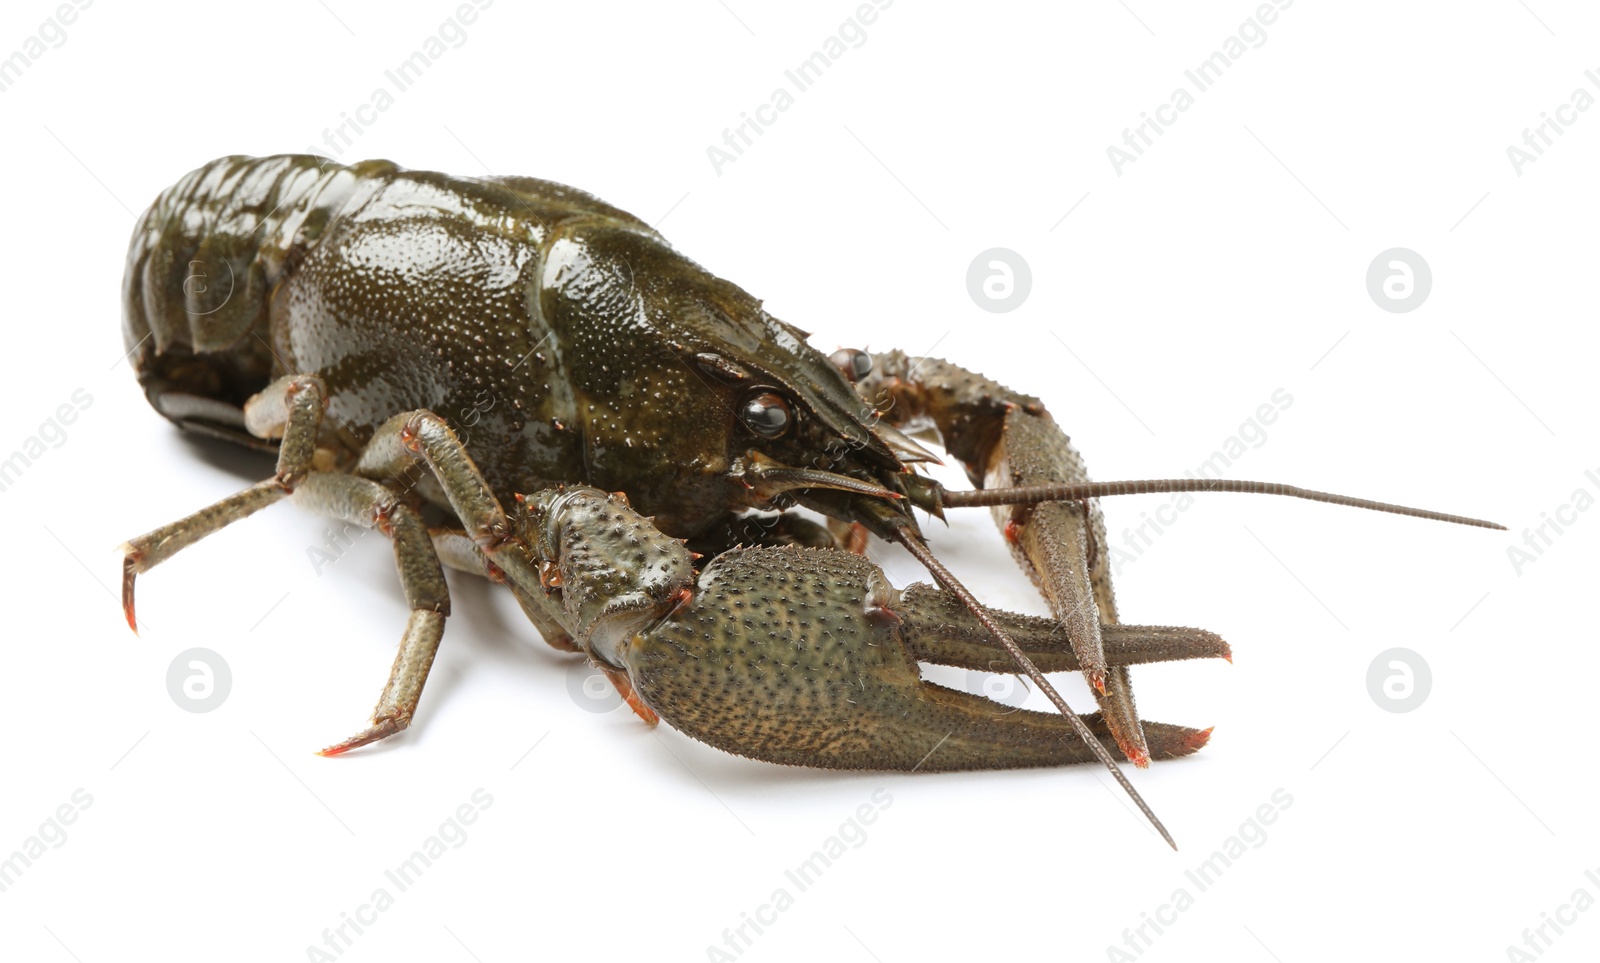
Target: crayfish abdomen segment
(201, 271)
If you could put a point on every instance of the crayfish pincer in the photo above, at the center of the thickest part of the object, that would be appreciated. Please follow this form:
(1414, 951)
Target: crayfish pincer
(513, 378)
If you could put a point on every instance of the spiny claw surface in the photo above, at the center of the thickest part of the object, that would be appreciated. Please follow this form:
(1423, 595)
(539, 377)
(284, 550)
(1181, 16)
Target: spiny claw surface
(777, 659)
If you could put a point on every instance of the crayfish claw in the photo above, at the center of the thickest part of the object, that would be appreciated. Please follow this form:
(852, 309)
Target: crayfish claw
(823, 672)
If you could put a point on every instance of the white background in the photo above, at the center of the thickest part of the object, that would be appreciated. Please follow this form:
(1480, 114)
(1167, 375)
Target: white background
(1228, 262)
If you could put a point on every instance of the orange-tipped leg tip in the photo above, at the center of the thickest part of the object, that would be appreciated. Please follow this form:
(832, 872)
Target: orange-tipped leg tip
(1140, 758)
(1229, 656)
(128, 575)
(354, 742)
(1199, 739)
(1097, 679)
(381, 729)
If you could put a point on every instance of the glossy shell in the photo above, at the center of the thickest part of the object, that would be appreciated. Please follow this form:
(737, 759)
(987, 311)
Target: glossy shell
(561, 337)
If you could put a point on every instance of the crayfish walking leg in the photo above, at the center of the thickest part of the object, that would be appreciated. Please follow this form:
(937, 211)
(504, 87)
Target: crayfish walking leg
(291, 409)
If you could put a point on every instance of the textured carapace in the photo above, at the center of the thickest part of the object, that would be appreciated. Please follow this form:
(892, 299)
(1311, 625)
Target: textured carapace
(562, 335)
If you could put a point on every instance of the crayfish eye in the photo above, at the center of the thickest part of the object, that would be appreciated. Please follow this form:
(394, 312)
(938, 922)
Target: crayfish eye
(766, 414)
(855, 364)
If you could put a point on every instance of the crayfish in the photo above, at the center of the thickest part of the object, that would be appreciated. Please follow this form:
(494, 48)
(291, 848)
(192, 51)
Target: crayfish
(513, 378)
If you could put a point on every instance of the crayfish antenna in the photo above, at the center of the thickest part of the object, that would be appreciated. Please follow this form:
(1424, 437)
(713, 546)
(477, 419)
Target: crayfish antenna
(1033, 494)
(918, 548)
